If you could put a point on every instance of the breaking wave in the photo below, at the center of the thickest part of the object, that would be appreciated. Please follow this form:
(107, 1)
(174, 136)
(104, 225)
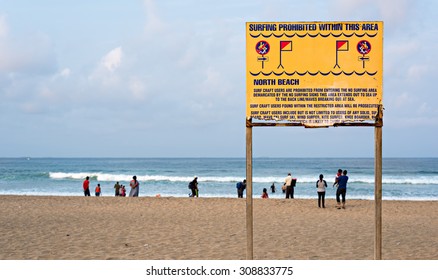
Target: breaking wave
(106, 177)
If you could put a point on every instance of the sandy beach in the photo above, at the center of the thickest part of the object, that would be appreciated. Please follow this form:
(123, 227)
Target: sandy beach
(102, 228)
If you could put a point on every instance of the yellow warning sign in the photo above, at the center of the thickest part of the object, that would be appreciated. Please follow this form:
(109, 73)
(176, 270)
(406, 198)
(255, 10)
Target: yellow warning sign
(314, 73)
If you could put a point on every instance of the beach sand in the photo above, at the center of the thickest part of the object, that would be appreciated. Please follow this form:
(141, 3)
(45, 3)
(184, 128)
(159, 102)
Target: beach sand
(90, 228)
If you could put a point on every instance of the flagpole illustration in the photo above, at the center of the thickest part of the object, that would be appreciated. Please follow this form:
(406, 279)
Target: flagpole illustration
(341, 46)
(285, 46)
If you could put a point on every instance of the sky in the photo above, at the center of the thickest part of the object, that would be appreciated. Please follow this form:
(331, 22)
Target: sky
(166, 78)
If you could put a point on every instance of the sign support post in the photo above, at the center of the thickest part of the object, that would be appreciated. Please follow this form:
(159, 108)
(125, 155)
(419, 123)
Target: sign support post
(378, 184)
(249, 208)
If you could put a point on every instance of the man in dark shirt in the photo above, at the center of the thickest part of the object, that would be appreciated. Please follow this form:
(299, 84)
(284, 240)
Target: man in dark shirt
(342, 189)
(241, 186)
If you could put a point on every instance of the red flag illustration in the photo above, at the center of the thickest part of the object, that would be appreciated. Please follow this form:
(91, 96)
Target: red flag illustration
(285, 46)
(341, 46)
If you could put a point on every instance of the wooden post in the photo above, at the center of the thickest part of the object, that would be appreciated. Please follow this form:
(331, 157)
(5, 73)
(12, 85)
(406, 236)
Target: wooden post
(249, 212)
(378, 184)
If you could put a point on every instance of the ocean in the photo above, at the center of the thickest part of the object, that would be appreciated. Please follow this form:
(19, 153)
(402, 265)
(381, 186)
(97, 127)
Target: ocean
(403, 178)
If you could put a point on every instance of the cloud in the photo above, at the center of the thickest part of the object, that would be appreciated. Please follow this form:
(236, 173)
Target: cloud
(62, 74)
(113, 59)
(105, 71)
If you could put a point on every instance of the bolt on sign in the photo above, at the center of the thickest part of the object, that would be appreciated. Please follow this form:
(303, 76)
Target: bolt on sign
(314, 73)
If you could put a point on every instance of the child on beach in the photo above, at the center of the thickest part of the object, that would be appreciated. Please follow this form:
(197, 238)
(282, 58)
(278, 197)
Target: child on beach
(123, 191)
(339, 174)
(98, 190)
(265, 193)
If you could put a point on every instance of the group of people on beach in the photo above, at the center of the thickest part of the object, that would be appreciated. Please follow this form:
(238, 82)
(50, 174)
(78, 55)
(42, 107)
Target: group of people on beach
(340, 183)
(119, 190)
(289, 184)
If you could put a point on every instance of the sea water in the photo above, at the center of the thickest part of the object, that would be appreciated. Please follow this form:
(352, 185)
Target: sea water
(403, 178)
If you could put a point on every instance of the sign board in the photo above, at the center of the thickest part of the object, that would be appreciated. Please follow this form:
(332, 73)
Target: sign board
(314, 73)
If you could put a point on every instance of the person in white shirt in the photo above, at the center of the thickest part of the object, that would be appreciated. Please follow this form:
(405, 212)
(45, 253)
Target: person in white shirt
(289, 188)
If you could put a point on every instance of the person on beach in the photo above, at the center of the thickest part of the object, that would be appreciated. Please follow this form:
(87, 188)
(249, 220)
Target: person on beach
(339, 174)
(123, 191)
(289, 187)
(240, 186)
(117, 189)
(265, 193)
(342, 190)
(86, 186)
(273, 188)
(193, 186)
(98, 190)
(321, 186)
(135, 186)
